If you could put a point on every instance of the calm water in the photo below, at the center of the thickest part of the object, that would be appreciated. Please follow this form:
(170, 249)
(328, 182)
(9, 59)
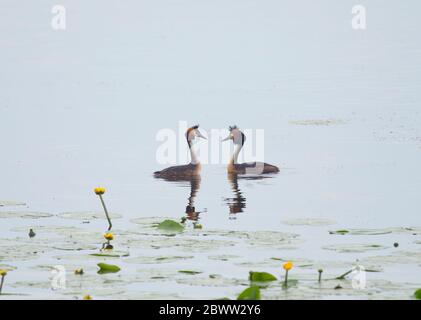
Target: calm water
(340, 109)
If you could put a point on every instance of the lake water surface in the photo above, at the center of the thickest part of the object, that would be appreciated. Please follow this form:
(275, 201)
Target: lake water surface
(341, 114)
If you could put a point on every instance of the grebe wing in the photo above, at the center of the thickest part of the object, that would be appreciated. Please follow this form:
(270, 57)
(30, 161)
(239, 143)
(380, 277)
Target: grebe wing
(177, 171)
(259, 167)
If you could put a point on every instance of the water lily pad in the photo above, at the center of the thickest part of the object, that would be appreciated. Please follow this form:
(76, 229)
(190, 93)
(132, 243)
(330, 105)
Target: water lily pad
(213, 280)
(67, 230)
(251, 293)
(25, 214)
(170, 226)
(20, 252)
(348, 248)
(223, 257)
(87, 215)
(273, 239)
(107, 268)
(5, 203)
(362, 232)
(149, 221)
(7, 267)
(261, 276)
(396, 258)
(112, 254)
(341, 232)
(191, 272)
(180, 242)
(308, 222)
(73, 246)
(157, 259)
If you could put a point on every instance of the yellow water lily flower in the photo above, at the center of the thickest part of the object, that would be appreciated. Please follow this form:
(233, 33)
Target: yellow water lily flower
(79, 271)
(109, 236)
(99, 190)
(87, 297)
(288, 265)
(3, 273)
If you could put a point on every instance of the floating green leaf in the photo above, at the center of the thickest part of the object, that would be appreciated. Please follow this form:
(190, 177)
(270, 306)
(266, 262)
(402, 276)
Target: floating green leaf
(417, 294)
(251, 293)
(363, 232)
(110, 255)
(170, 225)
(341, 232)
(261, 277)
(107, 268)
(190, 272)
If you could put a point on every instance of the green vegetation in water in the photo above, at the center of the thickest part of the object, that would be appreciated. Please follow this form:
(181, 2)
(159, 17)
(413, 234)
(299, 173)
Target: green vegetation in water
(110, 255)
(341, 232)
(189, 272)
(308, 222)
(107, 268)
(251, 293)
(363, 232)
(417, 294)
(342, 276)
(171, 226)
(11, 203)
(353, 247)
(261, 277)
(25, 215)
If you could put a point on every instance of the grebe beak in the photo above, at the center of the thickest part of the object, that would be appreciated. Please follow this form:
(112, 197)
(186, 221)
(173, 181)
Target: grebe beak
(199, 135)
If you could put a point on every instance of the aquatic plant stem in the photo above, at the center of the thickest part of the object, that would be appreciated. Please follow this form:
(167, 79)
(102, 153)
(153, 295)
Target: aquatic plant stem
(1, 283)
(286, 278)
(106, 212)
(320, 275)
(344, 275)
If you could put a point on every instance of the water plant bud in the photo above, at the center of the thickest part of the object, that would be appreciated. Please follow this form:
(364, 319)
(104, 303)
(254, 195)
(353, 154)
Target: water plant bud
(99, 190)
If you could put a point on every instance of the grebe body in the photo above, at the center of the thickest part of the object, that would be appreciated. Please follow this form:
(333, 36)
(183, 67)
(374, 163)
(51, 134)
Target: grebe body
(189, 170)
(239, 138)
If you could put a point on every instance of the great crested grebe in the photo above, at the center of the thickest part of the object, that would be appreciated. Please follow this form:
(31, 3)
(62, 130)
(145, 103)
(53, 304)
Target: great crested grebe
(189, 170)
(239, 138)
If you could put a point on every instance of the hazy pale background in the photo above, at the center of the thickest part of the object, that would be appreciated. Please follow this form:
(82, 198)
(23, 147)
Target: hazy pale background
(81, 107)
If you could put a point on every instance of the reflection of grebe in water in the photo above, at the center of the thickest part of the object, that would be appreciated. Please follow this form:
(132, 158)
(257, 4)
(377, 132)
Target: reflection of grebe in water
(239, 138)
(191, 213)
(237, 203)
(189, 170)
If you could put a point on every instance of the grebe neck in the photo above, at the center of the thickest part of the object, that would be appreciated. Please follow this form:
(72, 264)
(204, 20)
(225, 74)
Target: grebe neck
(194, 158)
(234, 158)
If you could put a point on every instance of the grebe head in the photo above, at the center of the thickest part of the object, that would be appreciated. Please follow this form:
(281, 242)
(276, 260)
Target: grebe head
(236, 135)
(192, 133)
